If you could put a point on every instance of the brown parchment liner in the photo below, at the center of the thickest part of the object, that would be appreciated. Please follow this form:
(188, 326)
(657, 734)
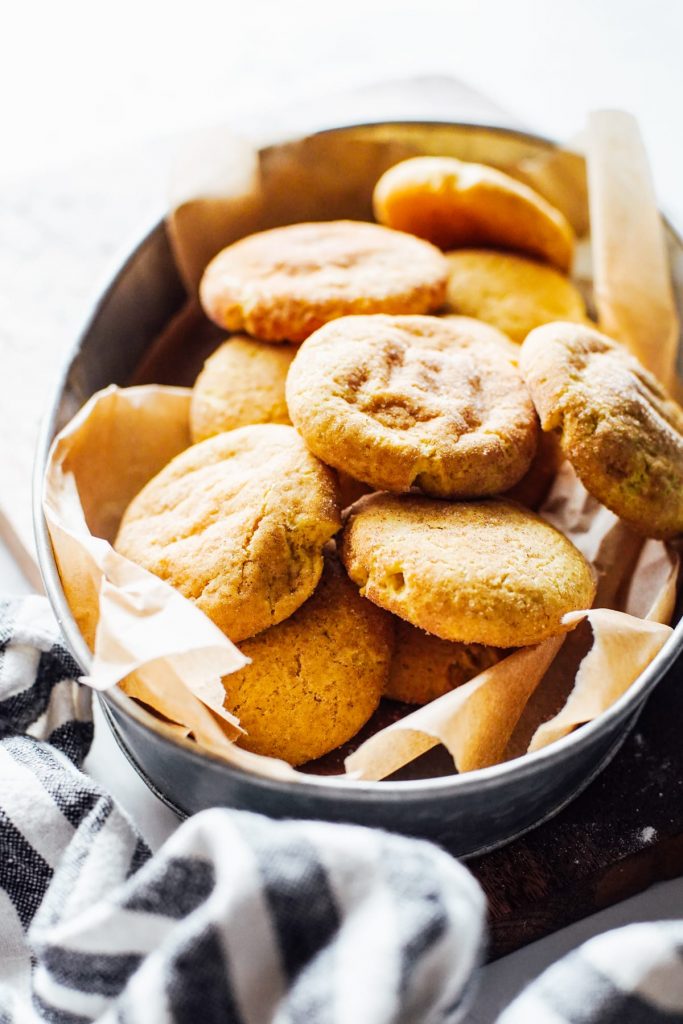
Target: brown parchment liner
(164, 652)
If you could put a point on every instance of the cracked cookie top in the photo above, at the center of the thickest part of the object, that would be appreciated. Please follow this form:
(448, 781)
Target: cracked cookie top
(413, 400)
(237, 524)
(617, 426)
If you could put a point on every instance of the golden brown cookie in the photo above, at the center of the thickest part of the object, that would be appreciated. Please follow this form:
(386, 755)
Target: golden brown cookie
(424, 667)
(619, 429)
(285, 283)
(242, 382)
(455, 204)
(403, 401)
(487, 572)
(237, 524)
(316, 678)
(511, 292)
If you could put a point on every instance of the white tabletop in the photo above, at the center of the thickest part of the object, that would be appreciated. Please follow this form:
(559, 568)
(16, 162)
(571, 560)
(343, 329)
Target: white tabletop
(107, 98)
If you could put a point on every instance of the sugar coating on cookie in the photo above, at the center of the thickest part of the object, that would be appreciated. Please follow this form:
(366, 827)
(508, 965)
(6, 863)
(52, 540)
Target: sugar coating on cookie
(315, 679)
(511, 292)
(424, 667)
(242, 382)
(285, 283)
(487, 572)
(237, 524)
(454, 204)
(403, 401)
(479, 330)
(617, 426)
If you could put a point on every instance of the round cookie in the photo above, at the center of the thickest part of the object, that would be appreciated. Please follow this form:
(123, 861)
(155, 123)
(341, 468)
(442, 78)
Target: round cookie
(424, 667)
(511, 292)
(316, 678)
(455, 204)
(403, 401)
(242, 382)
(285, 283)
(619, 429)
(237, 524)
(488, 572)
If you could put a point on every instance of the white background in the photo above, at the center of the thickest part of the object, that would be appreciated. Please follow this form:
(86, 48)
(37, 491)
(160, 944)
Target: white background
(79, 80)
(77, 77)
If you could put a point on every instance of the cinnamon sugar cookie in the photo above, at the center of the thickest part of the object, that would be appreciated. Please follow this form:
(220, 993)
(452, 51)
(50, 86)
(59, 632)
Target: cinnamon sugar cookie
(618, 427)
(285, 283)
(316, 678)
(243, 382)
(455, 204)
(403, 401)
(237, 524)
(511, 292)
(424, 667)
(486, 572)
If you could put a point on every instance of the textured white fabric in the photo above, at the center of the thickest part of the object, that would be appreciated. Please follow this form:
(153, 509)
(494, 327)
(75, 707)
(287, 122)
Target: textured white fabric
(237, 918)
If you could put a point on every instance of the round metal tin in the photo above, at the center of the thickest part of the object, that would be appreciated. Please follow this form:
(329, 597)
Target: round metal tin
(467, 814)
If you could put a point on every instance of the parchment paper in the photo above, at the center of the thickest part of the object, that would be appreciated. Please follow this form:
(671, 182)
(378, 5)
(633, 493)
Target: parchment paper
(166, 653)
(631, 274)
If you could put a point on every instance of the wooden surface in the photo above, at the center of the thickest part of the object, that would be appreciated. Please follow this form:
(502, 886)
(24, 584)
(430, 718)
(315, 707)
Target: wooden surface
(621, 835)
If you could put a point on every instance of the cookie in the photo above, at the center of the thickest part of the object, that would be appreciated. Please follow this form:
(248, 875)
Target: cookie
(243, 382)
(455, 204)
(424, 667)
(285, 283)
(487, 572)
(403, 401)
(511, 292)
(237, 524)
(618, 427)
(316, 678)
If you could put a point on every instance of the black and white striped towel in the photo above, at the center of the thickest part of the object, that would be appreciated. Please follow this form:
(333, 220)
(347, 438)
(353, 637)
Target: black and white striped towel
(236, 919)
(241, 919)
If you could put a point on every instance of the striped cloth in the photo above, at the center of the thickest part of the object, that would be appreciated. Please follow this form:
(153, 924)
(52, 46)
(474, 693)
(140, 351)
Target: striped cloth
(241, 920)
(236, 919)
(633, 975)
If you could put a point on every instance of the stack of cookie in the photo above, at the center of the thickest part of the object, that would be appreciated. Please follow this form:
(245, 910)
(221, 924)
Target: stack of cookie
(357, 510)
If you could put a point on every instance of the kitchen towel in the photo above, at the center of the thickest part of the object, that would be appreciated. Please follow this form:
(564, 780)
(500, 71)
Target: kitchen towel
(236, 919)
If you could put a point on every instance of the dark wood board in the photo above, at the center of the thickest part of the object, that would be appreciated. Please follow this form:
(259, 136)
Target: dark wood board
(622, 834)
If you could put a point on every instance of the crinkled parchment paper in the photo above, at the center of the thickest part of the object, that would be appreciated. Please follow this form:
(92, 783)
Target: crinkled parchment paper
(163, 651)
(143, 634)
(166, 653)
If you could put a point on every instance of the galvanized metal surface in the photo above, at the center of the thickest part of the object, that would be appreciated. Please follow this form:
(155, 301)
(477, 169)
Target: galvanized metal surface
(468, 813)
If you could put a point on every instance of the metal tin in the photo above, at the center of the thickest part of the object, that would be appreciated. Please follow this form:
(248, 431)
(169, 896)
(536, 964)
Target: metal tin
(468, 813)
